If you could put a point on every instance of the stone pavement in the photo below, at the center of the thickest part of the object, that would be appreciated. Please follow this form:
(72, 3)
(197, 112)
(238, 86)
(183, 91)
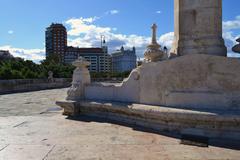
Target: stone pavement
(32, 127)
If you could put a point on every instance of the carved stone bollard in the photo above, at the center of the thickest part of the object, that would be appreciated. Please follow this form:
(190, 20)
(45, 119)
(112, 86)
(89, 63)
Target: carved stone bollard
(81, 77)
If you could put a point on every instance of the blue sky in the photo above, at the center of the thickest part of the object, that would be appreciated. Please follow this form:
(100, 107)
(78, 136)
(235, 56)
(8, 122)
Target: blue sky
(123, 22)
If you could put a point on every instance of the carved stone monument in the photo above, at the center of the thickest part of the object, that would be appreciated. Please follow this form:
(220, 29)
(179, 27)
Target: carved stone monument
(81, 78)
(198, 27)
(153, 52)
(173, 94)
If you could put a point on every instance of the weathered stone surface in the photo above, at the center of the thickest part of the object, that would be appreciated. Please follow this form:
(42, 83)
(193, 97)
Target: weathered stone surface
(30, 103)
(81, 78)
(127, 91)
(198, 27)
(191, 81)
(70, 107)
(194, 76)
(213, 123)
(51, 136)
(25, 152)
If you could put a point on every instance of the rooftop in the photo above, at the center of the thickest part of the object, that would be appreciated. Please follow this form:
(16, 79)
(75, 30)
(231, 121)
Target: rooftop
(56, 25)
(85, 50)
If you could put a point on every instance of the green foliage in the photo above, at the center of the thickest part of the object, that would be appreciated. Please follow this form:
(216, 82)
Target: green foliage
(26, 69)
(21, 69)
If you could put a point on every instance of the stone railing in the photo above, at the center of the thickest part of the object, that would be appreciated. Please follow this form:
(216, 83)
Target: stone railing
(24, 85)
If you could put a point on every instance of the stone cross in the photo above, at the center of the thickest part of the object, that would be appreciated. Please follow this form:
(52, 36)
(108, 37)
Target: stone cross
(154, 33)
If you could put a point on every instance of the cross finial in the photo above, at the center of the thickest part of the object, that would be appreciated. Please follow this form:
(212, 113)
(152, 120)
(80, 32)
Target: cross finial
(154, 26)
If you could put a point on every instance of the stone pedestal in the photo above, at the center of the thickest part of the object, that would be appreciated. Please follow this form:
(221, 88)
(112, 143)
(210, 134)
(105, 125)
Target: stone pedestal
(81, 78)
(198, 27)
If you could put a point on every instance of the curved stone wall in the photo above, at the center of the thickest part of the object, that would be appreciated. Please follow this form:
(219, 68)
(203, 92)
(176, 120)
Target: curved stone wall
(191, 81)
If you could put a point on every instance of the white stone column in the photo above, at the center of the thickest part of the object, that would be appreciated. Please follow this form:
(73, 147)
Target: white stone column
(154, 34)
(198, 27)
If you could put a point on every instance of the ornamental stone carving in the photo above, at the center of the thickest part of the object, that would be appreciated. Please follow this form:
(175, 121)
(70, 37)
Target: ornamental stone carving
(153, 52)
(81, 78)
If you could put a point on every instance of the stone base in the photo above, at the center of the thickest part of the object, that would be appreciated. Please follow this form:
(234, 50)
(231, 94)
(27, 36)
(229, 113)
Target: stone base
(209, 46)
(211, 123)
(71, 108)
(193, 81)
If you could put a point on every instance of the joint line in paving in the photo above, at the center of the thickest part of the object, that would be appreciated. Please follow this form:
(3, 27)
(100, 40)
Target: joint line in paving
(44, 158)
(4, 147)
(19, 124)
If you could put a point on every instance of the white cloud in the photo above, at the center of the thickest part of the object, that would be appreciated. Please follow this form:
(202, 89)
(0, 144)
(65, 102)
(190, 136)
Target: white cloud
(29, 54)
(167, 39)
(10, 32)
(230, 36)
(88, 35)
(90, 19)
(232, 24)
(83, 34)
(112, 12)
(114, 29)
(84, 25)
(158, 12)
(230, 40)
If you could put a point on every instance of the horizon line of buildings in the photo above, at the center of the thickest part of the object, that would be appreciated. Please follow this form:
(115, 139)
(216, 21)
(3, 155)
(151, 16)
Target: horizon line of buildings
(101, 61)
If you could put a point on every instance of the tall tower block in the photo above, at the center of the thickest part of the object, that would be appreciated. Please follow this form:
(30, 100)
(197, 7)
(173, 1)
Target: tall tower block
(56, 41)
(198, 27)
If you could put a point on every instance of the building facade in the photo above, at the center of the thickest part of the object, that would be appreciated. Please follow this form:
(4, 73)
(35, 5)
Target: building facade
(124, 60)
(56, 41)
(99, 59)
(56, 44)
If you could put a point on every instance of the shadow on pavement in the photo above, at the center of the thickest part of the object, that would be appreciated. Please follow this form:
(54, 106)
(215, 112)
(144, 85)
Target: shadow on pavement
(222, 143)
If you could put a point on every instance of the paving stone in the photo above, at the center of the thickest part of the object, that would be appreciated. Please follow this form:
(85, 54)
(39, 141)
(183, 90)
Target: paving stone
(107, 152)
(25, 152)
(50, 135)
(30, 103)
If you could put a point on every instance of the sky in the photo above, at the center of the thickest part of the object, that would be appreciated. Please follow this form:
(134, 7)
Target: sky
(123, 22)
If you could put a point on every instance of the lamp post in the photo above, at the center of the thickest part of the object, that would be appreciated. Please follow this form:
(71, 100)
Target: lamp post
(102, 40)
